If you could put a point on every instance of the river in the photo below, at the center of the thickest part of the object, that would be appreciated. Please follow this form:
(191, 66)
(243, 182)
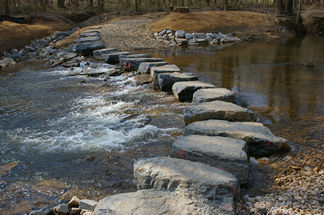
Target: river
(66, 135)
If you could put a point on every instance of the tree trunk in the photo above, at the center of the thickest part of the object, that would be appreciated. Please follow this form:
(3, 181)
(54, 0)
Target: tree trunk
(278, 6)
(289, 7)
(61, 3)
(7, 12)
(225, 5)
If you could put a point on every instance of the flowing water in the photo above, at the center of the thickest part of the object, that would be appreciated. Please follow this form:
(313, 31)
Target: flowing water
(63, 135)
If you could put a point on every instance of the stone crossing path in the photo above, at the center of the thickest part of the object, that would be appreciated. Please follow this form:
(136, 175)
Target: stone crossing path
(209, 163)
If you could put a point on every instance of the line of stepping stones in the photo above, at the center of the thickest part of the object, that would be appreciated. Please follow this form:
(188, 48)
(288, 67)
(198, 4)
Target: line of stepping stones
(209, 163)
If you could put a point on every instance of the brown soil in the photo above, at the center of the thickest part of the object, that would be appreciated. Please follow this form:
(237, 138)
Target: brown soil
(13, 35)
(240, 22)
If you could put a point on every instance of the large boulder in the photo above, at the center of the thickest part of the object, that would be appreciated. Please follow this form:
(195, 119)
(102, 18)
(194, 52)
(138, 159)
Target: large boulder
(260, 140)
(132, 64)
(87, 48)
(221, 152)
(187, 177)
(145, 67)
(216, 110)
(184, 91)
(100, 54)
(164, 69)
(153, 202)
(165, 81)
(208, 95)
(113, 58)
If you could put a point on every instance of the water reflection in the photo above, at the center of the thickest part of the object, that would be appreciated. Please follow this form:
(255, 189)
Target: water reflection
(277, 79)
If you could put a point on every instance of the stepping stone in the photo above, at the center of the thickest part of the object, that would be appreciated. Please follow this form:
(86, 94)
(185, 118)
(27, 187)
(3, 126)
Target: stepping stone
(164, 69)
(184, 91)
(132, 64)
(87, 48)
(153, 202)
(165, 81)
(217, 110)
(113, 58)
(221, 152)
(208, 95)
(89, 34)
(87, 39)
(100, 54)
(145, 67)
(260, 140)
(138, 56)
(95, 27)
(193, 178)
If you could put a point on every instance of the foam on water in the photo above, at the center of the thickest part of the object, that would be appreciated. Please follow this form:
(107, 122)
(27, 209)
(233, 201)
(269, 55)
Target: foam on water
(95, 122)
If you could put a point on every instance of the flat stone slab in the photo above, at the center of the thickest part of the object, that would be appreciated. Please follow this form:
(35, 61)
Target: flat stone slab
(113, 58)
(87, 48)
(138, 56)
(145, 67)
(164, 69)
(87, 39)
(100, 54)
(183, 176)
(184, 91)
(221, 152)
(165, 81)
(213, 94)
(216, 110)
(132, 64)
(89, 34)
(260, 140)
(153, 202)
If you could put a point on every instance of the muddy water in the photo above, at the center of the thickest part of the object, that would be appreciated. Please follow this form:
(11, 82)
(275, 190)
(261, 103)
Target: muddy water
(61, 135)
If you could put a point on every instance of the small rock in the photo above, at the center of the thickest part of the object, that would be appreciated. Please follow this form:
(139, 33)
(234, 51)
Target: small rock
(61, 209)
(74, 202)
(180, 34)
(88, 204)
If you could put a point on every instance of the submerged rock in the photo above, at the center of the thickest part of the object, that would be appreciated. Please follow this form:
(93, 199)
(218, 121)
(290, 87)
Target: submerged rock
(184, 91)
(217, 110)
(221, 152)
(261, 141)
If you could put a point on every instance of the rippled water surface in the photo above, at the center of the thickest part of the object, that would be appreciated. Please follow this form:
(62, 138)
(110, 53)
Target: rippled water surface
(63, 135)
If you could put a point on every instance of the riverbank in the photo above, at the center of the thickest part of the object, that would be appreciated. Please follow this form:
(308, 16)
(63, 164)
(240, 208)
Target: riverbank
(14, 35)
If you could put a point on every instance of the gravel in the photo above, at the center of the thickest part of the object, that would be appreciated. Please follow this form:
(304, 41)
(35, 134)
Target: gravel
(129, 35)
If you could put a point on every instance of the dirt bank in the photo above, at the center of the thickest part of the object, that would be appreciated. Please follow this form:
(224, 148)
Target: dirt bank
(13, 35)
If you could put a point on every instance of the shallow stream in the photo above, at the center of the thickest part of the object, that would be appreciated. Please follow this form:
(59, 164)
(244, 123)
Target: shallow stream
(63, 135)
